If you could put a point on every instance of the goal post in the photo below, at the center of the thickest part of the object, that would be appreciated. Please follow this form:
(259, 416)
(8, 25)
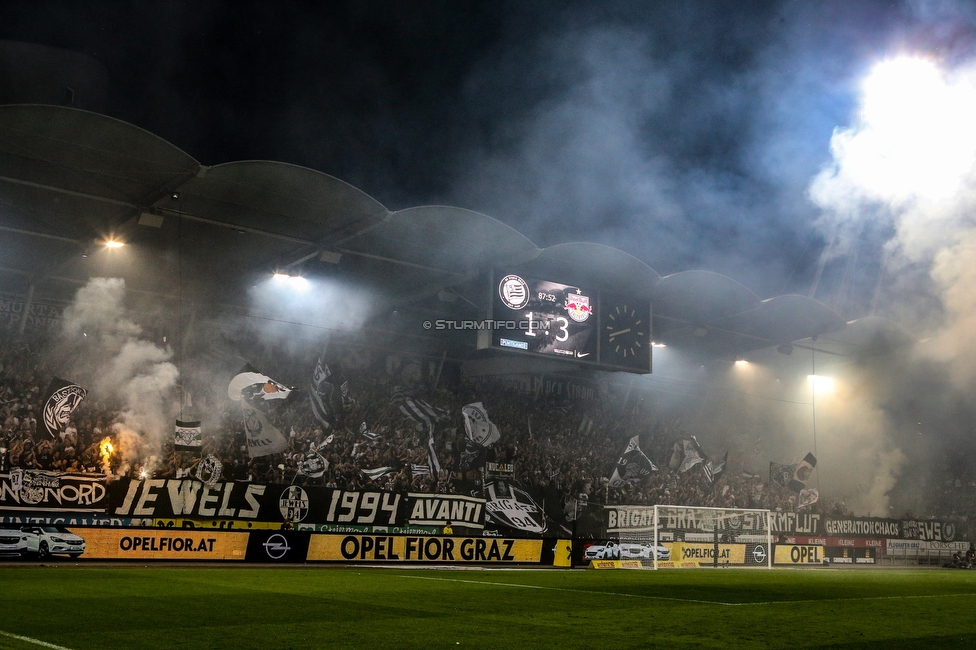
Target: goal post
(712, 537)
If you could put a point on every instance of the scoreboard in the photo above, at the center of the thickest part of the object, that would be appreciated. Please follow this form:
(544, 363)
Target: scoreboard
(571, 322)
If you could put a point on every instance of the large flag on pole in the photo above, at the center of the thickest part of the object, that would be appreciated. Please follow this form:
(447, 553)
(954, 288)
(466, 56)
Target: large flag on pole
(803, 471)
(255, 385)
(252, 389)
(60, 401)
(632, 466)
(477, 427)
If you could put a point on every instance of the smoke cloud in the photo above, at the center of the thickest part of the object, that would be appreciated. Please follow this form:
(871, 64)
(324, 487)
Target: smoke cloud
(110, 356)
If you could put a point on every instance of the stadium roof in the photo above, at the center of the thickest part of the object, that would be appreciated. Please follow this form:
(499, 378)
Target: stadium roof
(70, 179)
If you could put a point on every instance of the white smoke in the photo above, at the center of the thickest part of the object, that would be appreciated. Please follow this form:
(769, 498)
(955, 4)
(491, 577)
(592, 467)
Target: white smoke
(910, 159)
(112, 358)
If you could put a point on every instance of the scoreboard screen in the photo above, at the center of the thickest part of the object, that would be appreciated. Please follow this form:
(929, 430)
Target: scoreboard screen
(549, 317)
(570, 322)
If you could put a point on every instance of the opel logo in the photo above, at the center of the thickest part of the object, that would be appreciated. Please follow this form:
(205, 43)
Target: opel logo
(276, 546)
(759, 554)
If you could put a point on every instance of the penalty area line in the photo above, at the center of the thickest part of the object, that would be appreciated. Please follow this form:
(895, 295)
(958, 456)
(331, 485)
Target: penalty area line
(27, 639)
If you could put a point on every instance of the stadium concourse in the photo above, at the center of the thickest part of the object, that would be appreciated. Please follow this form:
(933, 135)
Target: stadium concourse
(136, 284)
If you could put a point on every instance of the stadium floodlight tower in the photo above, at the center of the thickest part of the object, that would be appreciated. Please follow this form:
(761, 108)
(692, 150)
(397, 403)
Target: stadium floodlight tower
(714, 537)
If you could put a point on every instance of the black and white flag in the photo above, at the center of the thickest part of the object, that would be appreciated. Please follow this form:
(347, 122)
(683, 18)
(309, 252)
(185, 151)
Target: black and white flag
(210, 469)
(803, 471)
(713, 469)
(693, 454)
(366, 433)
(378, 473)
(253, 389)
(781, 475)
(189, 436)
(253, 385)
(321, 392)
(60, 401)
(421, 412)
(633, 466)
(477, 427)
(313, 465)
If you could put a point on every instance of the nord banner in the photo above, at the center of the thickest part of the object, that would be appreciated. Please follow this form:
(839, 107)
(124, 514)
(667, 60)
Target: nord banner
(33, 490)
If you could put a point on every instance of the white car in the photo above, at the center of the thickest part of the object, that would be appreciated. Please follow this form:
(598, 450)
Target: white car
(614, 550)
(52, 540)
(13, 541)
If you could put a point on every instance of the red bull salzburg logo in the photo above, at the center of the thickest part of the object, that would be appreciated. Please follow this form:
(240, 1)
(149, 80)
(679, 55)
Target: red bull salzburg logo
(578, 306)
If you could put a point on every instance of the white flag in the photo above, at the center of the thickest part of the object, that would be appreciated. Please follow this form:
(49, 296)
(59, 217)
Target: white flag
(477, 427)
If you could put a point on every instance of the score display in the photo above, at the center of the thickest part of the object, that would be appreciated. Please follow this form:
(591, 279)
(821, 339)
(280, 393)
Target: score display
(571, 322)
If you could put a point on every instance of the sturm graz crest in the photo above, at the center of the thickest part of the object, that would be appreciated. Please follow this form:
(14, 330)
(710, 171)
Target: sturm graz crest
(514, 292)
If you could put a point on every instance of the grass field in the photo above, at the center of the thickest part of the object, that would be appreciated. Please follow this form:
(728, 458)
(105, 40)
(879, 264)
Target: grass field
(89, 607)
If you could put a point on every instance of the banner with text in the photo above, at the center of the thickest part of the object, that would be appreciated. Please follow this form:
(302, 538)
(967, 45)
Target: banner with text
(389, 548)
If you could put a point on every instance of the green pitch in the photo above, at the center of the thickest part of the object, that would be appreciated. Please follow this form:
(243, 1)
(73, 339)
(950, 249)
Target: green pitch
(90, 607)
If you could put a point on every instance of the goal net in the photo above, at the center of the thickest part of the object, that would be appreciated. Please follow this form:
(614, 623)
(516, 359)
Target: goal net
(711, 537)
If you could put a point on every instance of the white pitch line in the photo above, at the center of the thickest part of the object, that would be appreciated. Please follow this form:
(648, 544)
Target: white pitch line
(576, 591)
(27, 639)
(687, 600)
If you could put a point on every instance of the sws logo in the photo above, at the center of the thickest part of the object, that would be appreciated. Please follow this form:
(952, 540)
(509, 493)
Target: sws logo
(276, 546)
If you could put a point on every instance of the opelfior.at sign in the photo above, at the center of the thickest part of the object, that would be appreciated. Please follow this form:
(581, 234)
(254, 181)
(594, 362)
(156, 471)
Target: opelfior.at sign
(383, 548)
(166, 544)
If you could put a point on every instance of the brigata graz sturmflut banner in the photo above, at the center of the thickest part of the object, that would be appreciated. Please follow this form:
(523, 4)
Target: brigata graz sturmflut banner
(606, 522)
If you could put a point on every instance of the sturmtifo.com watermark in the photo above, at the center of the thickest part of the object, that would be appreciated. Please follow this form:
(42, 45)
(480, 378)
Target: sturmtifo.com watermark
(529, 326)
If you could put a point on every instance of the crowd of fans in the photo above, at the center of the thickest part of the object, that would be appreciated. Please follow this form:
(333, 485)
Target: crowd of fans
(563, 452)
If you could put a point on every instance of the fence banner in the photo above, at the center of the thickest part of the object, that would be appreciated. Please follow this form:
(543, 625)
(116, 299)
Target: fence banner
(790, 554)
(219, 524)
(65, 519)
(342, 529)
(161, 544)
(615, 564)
(391, 548)
(929, 531)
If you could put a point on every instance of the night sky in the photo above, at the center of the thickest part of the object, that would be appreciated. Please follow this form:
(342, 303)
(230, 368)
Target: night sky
(687, 134)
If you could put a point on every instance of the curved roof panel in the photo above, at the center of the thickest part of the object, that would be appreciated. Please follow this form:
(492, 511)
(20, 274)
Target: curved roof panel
(278, 198)
(783, 319)
(87, 153)
(453, 240)
(596, 265)
(700, 297)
